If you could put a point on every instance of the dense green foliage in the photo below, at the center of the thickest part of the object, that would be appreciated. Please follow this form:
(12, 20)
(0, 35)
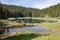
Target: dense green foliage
(7, 11)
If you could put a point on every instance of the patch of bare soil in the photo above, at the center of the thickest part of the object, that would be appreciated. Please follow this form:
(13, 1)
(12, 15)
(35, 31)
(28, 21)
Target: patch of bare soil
(57, 31)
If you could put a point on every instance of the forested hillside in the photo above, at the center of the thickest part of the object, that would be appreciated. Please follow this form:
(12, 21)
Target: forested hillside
(7, 11)
(52, 11)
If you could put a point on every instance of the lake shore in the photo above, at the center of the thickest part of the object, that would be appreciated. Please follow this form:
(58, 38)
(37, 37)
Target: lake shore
(52, 26)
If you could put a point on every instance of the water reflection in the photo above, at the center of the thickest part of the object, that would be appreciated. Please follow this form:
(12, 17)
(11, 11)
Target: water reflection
(33, 29)
(4, 31)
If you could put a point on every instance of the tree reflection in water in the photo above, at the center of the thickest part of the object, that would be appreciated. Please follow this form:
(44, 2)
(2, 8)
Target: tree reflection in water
(4, 31)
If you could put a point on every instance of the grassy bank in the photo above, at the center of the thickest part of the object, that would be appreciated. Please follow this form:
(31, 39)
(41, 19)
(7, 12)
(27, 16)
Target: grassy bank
(23, 36)
(55, 27)
(49, 37)
(51, 26)
(33, 36)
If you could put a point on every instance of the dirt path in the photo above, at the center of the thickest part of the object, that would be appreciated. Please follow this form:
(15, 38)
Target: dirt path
(56, 31)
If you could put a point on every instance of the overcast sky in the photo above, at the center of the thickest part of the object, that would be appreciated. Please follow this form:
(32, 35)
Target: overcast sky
(40, 4)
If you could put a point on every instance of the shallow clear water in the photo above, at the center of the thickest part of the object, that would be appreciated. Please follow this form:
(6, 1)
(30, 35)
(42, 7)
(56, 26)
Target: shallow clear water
(35, 20)
(33, 29)
(36, 29)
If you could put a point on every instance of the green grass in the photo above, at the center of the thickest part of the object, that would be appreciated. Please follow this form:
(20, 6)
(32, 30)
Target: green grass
(33, 36)
(23, 36)
(57, 18)
(52, 26)
(49, 37)
(2, 24)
